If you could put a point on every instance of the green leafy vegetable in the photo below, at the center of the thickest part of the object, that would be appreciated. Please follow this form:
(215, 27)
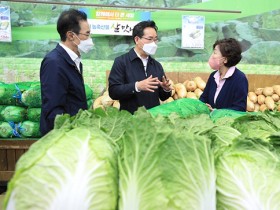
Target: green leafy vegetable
(258, 126)
(76, 169)
(248, 176)
(188, 172)
(33, 114)
(183, 107)
(30, 129)
(14, 114)
(32, 97)
(141, 187)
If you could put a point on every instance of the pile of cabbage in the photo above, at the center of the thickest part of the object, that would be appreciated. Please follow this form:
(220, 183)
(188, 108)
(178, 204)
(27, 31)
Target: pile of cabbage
(20, 109)
(109, 160)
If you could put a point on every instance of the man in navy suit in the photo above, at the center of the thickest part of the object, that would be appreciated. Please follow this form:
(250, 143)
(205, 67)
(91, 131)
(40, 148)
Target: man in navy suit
(136, 78)
(62, 83)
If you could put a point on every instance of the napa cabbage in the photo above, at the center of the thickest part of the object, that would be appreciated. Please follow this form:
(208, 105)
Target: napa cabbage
(260, 125)
(163, 167)
(112, 121)
(140, 184)
(188, 172)
(73, 169)
(248, 176)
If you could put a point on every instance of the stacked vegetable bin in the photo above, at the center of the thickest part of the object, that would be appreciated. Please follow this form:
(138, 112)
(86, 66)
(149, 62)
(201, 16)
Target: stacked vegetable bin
(20, 109)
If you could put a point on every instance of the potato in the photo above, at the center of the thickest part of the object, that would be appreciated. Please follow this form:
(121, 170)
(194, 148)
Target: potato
(97, 102)
(99, 106)
(257, 107)
(191, 95)
(261, 99)
(175, 96)
(253, 97)
(168, 100)
(275, 97)
(268, 91)
(198, 92)
(259, 91)
(200, 83)
(250, 105)
(116, 104)
(263, 107)
(185, 83)
(180, 90)
(269, 102)
(107, 101)
(276, 89)
(191, 86)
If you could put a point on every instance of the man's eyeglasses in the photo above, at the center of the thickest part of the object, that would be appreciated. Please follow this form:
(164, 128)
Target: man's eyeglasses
(87, 35)
(150, 39)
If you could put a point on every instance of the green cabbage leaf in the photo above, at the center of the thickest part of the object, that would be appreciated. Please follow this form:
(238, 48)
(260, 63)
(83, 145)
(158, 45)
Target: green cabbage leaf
(188, 171)
(71, 170)
(140, 184)
(248, 176)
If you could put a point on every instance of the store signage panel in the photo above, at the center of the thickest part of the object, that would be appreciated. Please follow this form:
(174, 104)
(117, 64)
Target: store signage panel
(5, 24)
(114, 22)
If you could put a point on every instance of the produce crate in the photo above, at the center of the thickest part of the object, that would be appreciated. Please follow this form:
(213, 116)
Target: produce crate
(10, 152)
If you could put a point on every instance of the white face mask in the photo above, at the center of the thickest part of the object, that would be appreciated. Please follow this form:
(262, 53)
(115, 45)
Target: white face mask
(150, 49)
(85, 45)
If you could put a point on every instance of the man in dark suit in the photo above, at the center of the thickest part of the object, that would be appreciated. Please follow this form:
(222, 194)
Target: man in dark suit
(136, 78)
(62, 83)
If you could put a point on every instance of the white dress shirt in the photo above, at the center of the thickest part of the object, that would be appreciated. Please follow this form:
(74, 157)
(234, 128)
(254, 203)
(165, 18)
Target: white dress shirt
(72, 55)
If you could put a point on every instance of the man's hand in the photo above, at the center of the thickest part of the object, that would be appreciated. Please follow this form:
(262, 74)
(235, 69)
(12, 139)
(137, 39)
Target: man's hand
(149, 84)
(165, 84)
(209, 107)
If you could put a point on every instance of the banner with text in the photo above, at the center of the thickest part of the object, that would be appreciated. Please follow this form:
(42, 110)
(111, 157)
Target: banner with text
(193, 31)
(5, 24)
(114, 22)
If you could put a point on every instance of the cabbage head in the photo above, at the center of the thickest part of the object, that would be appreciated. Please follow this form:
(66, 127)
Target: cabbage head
(248, 176)
(69, 170)
(188, 172)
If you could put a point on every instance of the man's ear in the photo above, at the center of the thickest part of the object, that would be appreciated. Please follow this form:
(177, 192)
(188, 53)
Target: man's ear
(136, 39)
(70, 35)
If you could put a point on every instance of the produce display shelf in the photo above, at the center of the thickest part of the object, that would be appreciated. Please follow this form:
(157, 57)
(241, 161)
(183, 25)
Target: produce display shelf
(10, 151)
(255, 80)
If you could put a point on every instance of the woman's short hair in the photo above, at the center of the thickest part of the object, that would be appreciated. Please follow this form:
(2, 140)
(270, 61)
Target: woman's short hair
(231, 49)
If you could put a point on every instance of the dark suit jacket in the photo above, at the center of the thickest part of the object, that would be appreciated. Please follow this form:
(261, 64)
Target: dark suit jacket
(128, 69)
(62, 87)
